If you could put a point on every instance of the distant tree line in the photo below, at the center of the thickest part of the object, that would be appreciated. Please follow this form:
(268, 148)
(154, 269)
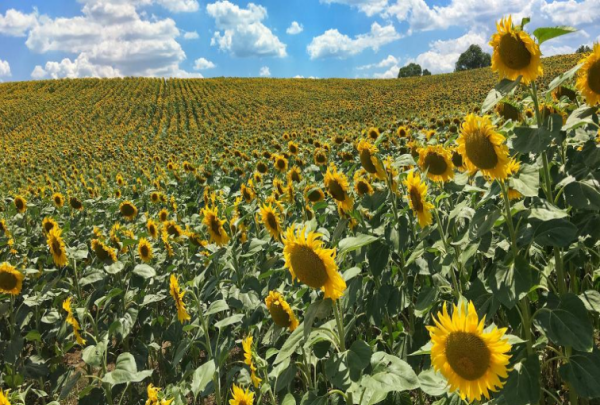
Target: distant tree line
(412, 70)
(583, 49)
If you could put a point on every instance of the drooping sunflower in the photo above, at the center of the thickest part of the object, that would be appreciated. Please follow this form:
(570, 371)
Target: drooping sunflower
(71, 320)
(271, 221)
(241, 396)
(215, 226)
(11, 279)
(482, 148)
(310, 263)
(280, 311)
(104, 253)
(48, 224)
(177, 295)
(58, 199)
(337, 186)
(75, 203)
(247, 191)
(313, 194)
(588, 79)
(247, 345)
(473, 361)
(152, 228)
(57, 247)
(368, 159)
(20, 204)
(3, 227)
(437, 162)
(515, 53)
(145, 250)
(128, 210)
(417, 198)
(362, 186)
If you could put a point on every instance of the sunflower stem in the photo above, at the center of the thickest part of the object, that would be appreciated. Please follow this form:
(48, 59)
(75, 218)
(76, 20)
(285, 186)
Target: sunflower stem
(340, 325)
(509, 220)
(456, 290)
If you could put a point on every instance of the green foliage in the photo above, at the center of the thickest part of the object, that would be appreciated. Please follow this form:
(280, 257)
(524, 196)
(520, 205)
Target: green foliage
(410, 70)
(473, 58)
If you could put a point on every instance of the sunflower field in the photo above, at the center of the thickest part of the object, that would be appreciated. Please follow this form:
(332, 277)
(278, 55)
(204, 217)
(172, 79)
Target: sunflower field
(431, 240)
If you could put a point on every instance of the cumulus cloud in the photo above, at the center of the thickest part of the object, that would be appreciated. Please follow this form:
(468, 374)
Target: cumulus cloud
(265, 72)
(175, 6)
(295, 28)
(4, 68)
(16, 24)
(391, 73)
(241, 31)
(369, 7)
(202, 64)
(191, 35)
(334, 44)
(389, 61)
(443, 54)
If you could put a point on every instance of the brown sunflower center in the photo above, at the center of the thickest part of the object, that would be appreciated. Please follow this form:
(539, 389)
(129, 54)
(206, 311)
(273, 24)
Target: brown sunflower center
(280, 317)
(362, 187)
(402, 132)
(295, 176)
(247, 195)
(48, 226)
(8, 281)
(594, 77)
(57, 200)
(272, 221)
(321, 158)
(367, 163)
(127, 210)
(468, 355)
(144, 251)
(308, 266)
(336, 190)
(435, 164)
(56, 248)
(457, 159)
(152, 230)
(101, 252)
(19, 204)
(415, 198)
(513, 52)
(480, 150)
(215, 226)
(314, 196)
(280, 164)
(261, 167)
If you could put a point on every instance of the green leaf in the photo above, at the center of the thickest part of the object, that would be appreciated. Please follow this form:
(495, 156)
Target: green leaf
(359, 355)
(391, 374)
(562, 78)
(290, 345)
(216, 307)
(525, 21)
(432, 383)
(556, 232)
(567, 324)
(536, 140)
(92, 278)
(378, 255)
(502, 89)
(94, 355)
(591, 300)
(144, 271)
(483, 221)
(510, 284)
(202, 376)
(583, 373)
(126, 371)
(318, 309)
(582, 116)
(288, 400)
(229, 321)
(527, 181)
(545, 34)
(523, 384)
(584, 195)
(337, 371)
(355, 242)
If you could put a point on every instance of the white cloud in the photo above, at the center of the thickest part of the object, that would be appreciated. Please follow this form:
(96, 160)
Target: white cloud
(571, 12)
(295, 28)
(334, 44)
(4, 68)
(241, 31)
(16, 24)
(551, 50)
(175, 6)
(202, 64)
(298, 77)
(443, 54)
(369, 7)
(389, 61)
(391, 73)
(265, 72)
(80, 67)
(191, 35)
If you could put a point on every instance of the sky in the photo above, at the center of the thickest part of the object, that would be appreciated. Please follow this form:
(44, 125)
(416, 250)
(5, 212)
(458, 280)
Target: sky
(52, 39)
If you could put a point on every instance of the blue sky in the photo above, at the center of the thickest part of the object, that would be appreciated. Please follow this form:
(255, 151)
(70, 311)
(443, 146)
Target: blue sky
(43, 39)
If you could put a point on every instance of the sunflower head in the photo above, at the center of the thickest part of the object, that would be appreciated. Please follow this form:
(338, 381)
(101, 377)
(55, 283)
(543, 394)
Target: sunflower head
(145, 250)
(417, 198)
(482, 148)
(313, 194)
(280, 311)
(47, 225)
(11, 279)
(215, 226)
(362, 186)
(373, 133)
(152, 228)
(320, 157)
(105, 254)
(337, 186)
(368, 159)
(403, 132)
(128, 210)
(58, 199)
(310, 263)
(20, 204)
(473, 361)
(437, 162)
(57, 246)
(281, 163)
(515, 53)
(588, 80)
(241, 396)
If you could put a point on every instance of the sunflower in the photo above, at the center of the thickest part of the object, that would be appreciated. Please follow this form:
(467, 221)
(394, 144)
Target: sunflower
(177, 295)
(57, 247)
(173, 229)
(72, 321)
(104, 253)
(48, 224)
(247, 191)
(403, 132)
(128, 210)
(247, 345)
(11, 279)
(437, 162)
(373, 133)
(3, 227)
(152, 229)
(281, 163)
(361, 184)
(417, 198)
(271, 221)
(515, 53)
(294, 174)
(311, 264)
(457, 160)
(215, 226)
(20, 204)
(3, 398)
(320, 157)
(163, 215)
(241, 396)
(313, 194)
(293, 147)
(145, 250)
(58, 199)
(280, 311)
(368, 160)
(473, 361)
(153, 392)
(75, 203)
(588, 80)
(482, 148)
(513, 168)
(337, 186)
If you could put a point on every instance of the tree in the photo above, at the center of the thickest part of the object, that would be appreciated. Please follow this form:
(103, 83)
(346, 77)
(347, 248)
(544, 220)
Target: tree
(410, 70)
(426, 72)
(473, 58)
(583, 49)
